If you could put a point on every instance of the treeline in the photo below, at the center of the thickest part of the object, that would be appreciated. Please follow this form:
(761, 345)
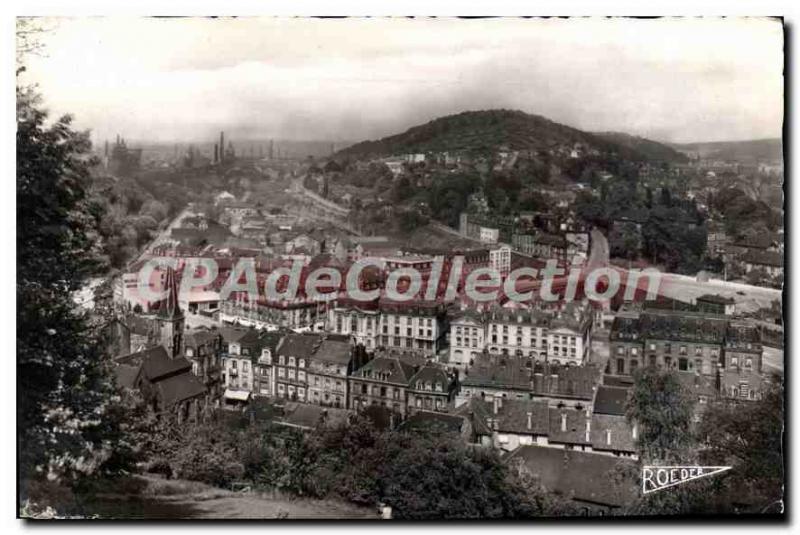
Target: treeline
(746, 435)
(663, 228)
(424, 474)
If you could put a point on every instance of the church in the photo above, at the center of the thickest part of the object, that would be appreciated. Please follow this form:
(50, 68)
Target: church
(149, 358)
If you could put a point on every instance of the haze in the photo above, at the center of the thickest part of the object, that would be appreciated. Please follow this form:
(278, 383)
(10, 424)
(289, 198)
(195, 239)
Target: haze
(679, 80)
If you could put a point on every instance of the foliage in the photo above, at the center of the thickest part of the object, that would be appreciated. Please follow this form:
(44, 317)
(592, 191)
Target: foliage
(749, 437)
(66, 405)
(663, 411)
(421, 475)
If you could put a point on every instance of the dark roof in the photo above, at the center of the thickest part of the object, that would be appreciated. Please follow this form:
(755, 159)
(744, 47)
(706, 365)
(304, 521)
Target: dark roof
(512, 416)
(155, 363)
(125, 375)
(545, 379)
(433, 420)
(179, 388)
(575, 429)
(620, 437)
(299, 345)
(334, 351)
(610, 400)
(386, 369)
(585, 476)
(431, 373)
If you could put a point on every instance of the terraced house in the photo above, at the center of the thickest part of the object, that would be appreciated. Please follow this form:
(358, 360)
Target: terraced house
(714, 346)
(514, 377)
(313, 368)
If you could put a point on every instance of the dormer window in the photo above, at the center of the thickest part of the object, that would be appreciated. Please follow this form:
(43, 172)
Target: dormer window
(302, 363)
(291, 361)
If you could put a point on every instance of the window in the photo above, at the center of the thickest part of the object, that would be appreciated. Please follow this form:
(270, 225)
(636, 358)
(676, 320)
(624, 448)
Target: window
(302, 363)
(291, 361)
(683, 364)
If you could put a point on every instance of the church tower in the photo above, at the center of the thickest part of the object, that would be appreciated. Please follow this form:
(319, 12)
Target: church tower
(171, 321)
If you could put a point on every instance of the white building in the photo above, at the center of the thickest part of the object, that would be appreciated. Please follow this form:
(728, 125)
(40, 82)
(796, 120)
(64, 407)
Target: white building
(500, 259)
(489, 235)
(467, 338)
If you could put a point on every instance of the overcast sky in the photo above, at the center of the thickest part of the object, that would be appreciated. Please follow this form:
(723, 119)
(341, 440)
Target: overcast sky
(677, 80)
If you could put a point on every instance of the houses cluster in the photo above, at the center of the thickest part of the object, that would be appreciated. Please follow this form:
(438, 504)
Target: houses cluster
(546, 236)
(702, 341)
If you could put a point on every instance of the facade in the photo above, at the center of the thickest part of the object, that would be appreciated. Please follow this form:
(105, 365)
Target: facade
(413, 325)
(467, 338)
(713, 346)
(383, 381)
(313, 368)
(500, 259)
(521, 377)
(431, 389)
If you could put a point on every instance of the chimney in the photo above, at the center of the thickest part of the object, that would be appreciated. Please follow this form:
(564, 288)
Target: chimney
(530, 423)
(563, 421)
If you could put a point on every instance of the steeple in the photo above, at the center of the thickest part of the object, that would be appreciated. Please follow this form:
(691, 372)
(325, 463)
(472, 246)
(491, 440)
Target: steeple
(170, 317)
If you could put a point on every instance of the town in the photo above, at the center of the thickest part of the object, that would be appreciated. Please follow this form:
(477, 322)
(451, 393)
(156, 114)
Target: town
(419, 269)
(513, 376)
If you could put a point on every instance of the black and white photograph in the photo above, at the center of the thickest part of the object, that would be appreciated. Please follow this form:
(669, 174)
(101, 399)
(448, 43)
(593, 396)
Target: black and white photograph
(400, 268)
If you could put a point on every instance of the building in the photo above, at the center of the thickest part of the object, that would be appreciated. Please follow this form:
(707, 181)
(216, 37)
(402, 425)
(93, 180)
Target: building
(467, 337)
(716, 304)
(522, 377)
(327, 372)
(668, 339)
(383, 382)
(432, 388)
(239, 347)
(412, 325)
(313, 368)
(598, 484)
(720, 349)
(500, 259)
(263, 364)
(166, 382)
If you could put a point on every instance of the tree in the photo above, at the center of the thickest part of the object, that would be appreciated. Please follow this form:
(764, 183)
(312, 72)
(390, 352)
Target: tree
(64, 395)
(662, 410)
(749, 437)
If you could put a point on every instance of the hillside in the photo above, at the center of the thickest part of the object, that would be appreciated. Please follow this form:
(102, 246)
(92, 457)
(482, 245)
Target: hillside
(652, 150)
(483, 132)
(752, 151)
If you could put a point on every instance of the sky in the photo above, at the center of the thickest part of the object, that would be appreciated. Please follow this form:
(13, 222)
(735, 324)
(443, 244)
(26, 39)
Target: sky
(165, 80)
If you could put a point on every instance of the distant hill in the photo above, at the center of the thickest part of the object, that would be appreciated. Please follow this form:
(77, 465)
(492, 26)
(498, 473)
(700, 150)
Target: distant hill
(653, 150)
(752, 151)
(481, 132)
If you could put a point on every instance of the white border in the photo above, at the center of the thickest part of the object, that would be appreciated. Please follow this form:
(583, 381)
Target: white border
(349, 7)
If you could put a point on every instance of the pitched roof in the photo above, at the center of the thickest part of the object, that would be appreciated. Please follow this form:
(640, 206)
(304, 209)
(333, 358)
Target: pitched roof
(299, 344)
(574, 432)
(431, 374)
(611, 400)
(612, 433)
(125, 375)
(155, 363)
(333, 351)
(585, 476)
(386, 369)
(179, 388)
